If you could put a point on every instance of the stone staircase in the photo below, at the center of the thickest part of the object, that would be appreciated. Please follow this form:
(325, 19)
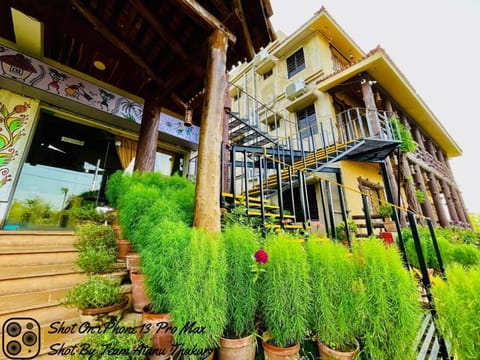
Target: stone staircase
(36, 271)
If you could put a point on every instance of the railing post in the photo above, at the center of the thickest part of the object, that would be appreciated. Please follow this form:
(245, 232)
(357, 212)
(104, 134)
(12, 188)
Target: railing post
(395, 216)
(301, 189)
(292, 195)
(330, 210)
(368, 219)
(343, 206)
(232, 174)
(435, 246)
(324, 209)
(426, 281)
(280, 194)
(262, 205)
(245, 179)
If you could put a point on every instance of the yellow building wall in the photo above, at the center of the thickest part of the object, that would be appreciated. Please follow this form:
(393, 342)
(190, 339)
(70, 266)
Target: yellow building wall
(351, 170)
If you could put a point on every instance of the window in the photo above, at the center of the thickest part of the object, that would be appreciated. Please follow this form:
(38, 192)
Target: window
(267, 74)
(295, 63)
(307, 122)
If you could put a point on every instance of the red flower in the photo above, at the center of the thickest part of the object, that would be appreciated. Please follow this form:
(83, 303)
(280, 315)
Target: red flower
(261, 256)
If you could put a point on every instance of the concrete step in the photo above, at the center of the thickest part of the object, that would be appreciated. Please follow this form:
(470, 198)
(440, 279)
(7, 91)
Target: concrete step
(36, 256)
(26, 239)
(43, 279)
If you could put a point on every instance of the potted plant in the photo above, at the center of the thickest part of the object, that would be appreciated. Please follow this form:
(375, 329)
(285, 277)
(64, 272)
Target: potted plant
(285, 294)
(238, 341)
(94, 260)
(337, 299)
(97, 298)
(198, 297)
(94, 236)
(171, 238)
(340, 229)
(457, 303)
(386, 211)
(392, 312)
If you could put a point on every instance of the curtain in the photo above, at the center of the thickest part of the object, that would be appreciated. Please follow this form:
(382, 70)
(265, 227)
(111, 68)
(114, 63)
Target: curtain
(126, 150)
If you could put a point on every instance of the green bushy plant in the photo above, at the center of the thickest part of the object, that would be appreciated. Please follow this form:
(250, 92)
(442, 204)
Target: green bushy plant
(198, 294)
(162, 258)
(133, 205)
(88, 214)
(117, 184)
(96, 260)
(392, 311)
(458, 304)
(340, 229)
(95, 292)
(285, 290)
(338, 296)
(242, 292)
(95, 236)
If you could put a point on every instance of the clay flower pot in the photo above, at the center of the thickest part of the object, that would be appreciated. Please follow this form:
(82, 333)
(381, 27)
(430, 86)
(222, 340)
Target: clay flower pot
(278, 353)
(104, 314)
(329, 353)
(233, 349)
(162, 337)
(139, 297)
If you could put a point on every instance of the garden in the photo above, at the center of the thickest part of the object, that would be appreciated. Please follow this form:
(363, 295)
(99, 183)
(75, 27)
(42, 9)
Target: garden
(241, 295)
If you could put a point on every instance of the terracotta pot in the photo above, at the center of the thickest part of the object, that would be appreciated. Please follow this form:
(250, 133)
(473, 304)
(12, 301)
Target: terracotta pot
(160, 326)
(328, 353)
(139, 297)
(278, 353)
(104, 314)
(237, 349)
(132, 261)
(124, 247)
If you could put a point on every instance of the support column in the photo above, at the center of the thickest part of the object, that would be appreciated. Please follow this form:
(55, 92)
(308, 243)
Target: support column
(442, 217)
(207, 201)
(148, 137)
(448, 198)
(410, 191)
(370, 105)
(226, 138)
(417, 135)
(426, 205)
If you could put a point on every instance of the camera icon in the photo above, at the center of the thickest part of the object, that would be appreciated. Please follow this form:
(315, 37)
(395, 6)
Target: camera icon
(21, 338)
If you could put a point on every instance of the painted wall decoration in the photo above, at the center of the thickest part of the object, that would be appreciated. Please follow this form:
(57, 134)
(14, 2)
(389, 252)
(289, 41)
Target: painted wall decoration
(32, 72)
(17, 114)
(173, 126)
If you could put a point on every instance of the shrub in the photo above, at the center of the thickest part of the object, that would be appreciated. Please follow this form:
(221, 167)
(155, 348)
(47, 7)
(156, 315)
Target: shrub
(285, 290)
(198, 294)
(116, 185)
(162, 258)
(392, 311)
(242, 292)
(457, 304)
(96, 260)
(340, 229)
(95, 292)
(95, 236)
(337, 294)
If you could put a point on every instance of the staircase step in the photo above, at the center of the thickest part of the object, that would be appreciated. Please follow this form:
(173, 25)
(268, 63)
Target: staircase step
(25, 239)
(43, 279)
(31, 300)
(36, 256)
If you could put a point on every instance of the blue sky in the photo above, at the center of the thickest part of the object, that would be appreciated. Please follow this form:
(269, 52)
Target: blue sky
(434, 43)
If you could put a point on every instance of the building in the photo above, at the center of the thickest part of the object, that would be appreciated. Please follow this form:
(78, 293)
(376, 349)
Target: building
(316, 95)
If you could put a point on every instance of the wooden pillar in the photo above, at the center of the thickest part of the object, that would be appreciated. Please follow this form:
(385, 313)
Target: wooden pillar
(410, 191)
(437, 200)
(148, 137)
(419, 181)
(417, 135)
(459, 206)
(448, 198)
(207, 193)
(431, 148)
(369, 100)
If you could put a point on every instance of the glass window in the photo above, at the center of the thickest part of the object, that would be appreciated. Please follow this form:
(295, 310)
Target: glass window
(295, 63)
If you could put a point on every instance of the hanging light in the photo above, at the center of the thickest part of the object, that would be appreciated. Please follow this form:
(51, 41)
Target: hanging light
(188, 116)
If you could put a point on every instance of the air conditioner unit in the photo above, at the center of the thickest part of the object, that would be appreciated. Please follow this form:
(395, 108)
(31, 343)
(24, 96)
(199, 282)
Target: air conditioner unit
(295, 89)
(261, 56)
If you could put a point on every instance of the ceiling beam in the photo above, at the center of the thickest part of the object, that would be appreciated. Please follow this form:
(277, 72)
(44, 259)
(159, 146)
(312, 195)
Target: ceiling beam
(165, 36)
(116, 41)
(246, 31)
(199, 13)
